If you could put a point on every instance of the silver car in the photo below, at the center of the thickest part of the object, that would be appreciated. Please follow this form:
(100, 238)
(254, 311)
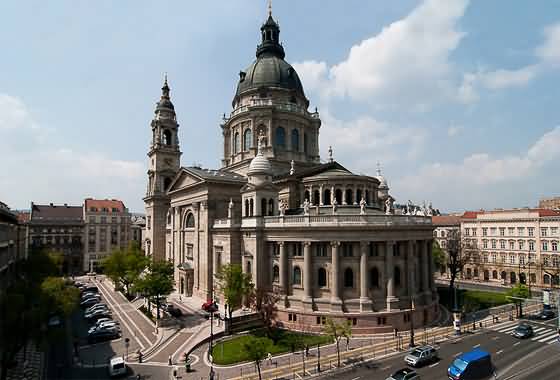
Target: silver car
(420, 356)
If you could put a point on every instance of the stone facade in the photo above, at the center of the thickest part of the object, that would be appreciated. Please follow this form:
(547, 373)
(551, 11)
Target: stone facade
(12, 245)
(325, 239)
(552, 203)
(517, 245)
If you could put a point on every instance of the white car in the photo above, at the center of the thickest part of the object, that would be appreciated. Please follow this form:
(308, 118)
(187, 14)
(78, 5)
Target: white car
(101, 320)
(117, 366)
(106, 325)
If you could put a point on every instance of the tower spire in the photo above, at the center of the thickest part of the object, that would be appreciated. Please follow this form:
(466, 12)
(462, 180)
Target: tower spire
(269, 8)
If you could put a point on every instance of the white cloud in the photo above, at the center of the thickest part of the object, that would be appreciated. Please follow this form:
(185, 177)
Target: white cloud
(549, 51)
(481, 171)
(454, 130)
(362, 142)
(407, 59)
(36, 169)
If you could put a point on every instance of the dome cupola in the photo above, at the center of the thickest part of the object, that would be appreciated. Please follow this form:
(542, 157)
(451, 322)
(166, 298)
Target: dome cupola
(260, 166)
(165, 101)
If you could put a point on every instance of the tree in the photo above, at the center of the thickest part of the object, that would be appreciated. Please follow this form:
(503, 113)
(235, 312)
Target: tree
(518, 293)
(257, 348)
(157, 284)
(459, 253)
(438, 256)
(114, 266)
(234, 285)
(337, 331)
(265, 303)
(58, 296)
(125, 266)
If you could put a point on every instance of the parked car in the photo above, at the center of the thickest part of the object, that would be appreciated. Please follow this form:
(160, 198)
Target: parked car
(117, 367)
(545, 314)
(95, 315)
(89, 302)
(54, 321)
(102, 335)
(523, 331)
(101, 320)
(420, 356)
(90, 295)
(96, 307)
(173, 310)
(209, 306)
(404, 374)
(105, 325)
(475, 364)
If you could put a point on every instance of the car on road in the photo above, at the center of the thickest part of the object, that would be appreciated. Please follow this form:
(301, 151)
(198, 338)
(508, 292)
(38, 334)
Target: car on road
(523, 331)
(102, 335)
(420, 356)
(117, 367)
(404, 374)
(209, 306)
(545, 314)
(474, 364)
(173, 310)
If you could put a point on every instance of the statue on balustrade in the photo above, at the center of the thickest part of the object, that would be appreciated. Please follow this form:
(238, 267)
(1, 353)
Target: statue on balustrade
(334, 206)
(282, 207)
(306, 207)
(389, 206)
(362, 206)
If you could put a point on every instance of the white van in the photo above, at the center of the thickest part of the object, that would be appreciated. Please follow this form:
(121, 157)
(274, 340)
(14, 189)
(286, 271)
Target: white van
(117, 366)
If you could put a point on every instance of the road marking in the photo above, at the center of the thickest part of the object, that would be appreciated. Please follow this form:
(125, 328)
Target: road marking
(124, 314)
(499, 352)
(457, 354)
(515, 344)
(547, 337)
(356, 378)
(433, 365)
(476, 346)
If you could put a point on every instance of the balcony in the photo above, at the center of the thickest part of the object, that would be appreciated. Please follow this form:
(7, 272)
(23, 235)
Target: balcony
(328, 221)
(280, 106)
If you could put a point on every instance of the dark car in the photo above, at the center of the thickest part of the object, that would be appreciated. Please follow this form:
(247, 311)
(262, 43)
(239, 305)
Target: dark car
(523, 331)
(95, 315)
(89, 302)
(404, 374)
(102, 335)
(90, 288)
(173, 310)
(545, 314)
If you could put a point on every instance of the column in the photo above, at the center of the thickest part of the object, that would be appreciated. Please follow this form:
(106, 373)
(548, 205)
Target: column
(320, 195)
(335, 275)
(283, 268)
(431, 266)
(410, 269)
(425, 263)
(365, 302)
(355, 195)
(332, 195)
(389, 273)
(307, 273)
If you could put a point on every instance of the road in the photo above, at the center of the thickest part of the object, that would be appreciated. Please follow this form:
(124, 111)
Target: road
(534, 358)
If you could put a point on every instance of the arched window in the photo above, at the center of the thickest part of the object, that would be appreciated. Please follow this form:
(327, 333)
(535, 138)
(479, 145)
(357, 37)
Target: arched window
(247, 139)
(397, 276)
(251, 207)
(249, 267)
(295, 140)
(359, 195)
(367, 197)
(246, 207)
(296, 279)
(275, 273)
(169, 218)
(374, 278)
(263, 207)
(348, 197)
(338, 196)
(348, 278)
(503, 275)
(167, 137)
(189, 221)
(546, 279)
(316, 197)
(306, 196)
(236, 143)
(270, 207)
(322, 277)
(495, 274)
(327, 197)
(512, 277)
(280, 137)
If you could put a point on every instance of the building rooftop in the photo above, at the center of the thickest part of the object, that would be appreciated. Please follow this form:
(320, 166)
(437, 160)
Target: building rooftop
(541, 212)
(52, 212)
(446, 220)
(104, 205)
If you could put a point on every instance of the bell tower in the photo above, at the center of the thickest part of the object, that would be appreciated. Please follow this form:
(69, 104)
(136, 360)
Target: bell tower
(163, 164)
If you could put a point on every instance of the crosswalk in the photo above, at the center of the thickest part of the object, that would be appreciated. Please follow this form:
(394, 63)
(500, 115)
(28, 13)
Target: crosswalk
(541, 334)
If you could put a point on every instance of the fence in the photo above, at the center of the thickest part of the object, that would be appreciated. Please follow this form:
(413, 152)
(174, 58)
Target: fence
(362, 356)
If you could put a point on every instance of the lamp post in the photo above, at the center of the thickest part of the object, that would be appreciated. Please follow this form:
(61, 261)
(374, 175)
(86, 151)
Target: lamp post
(411, 318)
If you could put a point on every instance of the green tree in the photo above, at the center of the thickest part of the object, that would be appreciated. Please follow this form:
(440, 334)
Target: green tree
(257, 349)
(157, 283)
(265, 303)
(59, 297)
(518, 293)
(234, 285)
(458, 253)
(125, 266)
(337, 331)
(114, 266)
(438, 256)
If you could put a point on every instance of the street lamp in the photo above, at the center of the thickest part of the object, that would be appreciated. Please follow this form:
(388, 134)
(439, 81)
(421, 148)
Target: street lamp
(411, 318)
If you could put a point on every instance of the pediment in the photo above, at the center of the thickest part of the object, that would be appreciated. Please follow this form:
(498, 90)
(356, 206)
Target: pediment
(184, 179)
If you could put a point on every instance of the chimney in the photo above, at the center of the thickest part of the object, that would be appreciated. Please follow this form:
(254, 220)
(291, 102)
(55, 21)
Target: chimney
(50, 204)
(66, 205)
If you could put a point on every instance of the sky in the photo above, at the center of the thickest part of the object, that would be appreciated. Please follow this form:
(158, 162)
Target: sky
(457, 100)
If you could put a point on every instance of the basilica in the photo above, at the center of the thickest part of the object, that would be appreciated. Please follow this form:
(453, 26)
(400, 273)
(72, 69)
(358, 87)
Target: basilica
(326, 240)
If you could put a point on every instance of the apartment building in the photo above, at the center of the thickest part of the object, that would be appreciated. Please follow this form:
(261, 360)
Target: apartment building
(515, 245)
(108, 227)
(12, 245)
(552, 203)
(444, 225)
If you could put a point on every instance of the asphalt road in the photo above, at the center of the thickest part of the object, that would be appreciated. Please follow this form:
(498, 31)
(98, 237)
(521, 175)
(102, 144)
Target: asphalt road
(514, 359)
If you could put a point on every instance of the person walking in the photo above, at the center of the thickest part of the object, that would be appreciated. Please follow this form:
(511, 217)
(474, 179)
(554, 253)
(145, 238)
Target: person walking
(269, 356)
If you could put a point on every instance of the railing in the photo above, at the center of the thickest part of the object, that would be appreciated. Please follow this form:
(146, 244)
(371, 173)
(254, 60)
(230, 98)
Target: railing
(318, 220)
(281, 106)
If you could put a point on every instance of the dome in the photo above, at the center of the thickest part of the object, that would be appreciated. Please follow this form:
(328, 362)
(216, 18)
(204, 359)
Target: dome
(269, 71)
(260, 165)
(381, 178)
(165, 103)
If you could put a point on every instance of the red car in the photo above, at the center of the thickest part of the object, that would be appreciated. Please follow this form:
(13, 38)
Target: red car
(209, 306)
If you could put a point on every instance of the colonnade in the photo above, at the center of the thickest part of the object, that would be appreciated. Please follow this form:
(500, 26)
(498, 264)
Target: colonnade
(323, 194)
(412, 260)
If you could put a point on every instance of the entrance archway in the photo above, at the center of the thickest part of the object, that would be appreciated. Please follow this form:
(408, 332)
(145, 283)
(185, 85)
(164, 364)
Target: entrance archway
(512, 277)
(522, 278)
(486, 275)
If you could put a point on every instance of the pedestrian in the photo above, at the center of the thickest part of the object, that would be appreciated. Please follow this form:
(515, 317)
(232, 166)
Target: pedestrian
(347, 344)
(306, 350)
(269, 356)
(396, 332)
(180, 298)
(169, 361)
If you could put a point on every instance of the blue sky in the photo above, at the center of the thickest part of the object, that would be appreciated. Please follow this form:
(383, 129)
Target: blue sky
(457, 100)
